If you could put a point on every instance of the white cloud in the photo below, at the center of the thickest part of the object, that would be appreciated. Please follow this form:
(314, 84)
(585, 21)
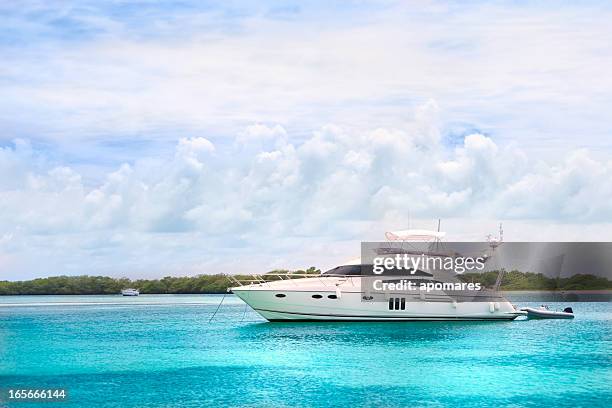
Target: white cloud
(194, 150)
(333, 186)
(260, 132)
(578, 188)
(528, 85)
(526, 71)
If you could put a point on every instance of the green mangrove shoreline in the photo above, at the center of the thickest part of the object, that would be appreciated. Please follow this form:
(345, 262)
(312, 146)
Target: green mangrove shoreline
(219, 283)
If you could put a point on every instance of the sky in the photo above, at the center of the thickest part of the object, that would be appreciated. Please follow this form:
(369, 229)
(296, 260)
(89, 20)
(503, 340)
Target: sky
(154, 138)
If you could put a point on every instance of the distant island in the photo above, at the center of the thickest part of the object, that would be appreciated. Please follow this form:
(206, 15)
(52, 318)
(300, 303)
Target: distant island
(210, 284)
(516, 280)
(104, 285)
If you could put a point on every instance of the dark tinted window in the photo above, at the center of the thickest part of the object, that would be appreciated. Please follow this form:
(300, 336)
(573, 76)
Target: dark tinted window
(403, 304)
(417, 281)
(355, 270)
(390, 303)
(405, 272)
(351, 270)
(280, 295)
(397, 302)
(317, 296)
(332, 297)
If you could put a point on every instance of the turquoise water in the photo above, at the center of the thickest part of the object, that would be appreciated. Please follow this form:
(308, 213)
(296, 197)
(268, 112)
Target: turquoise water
(161, 351)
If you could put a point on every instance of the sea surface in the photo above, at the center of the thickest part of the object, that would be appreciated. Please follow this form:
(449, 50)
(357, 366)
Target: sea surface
(163, 351)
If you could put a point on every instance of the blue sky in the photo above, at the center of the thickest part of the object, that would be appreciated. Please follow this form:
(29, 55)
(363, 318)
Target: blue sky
(151, 138)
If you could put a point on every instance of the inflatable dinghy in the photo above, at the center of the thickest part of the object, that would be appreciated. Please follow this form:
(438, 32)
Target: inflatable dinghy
(544, 313)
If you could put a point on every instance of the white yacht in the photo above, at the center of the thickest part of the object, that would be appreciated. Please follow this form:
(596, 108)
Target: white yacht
(130, 292)
(337, 295)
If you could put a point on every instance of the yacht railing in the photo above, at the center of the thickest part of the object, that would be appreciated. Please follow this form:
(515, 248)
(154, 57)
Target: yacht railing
(265, 279)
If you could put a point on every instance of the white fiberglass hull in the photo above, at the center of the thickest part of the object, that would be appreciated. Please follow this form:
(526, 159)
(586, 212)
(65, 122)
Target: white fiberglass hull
(309, 301)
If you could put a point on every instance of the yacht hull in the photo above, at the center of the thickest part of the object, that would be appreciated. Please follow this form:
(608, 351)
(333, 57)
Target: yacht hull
(331, 305)
(296, 317)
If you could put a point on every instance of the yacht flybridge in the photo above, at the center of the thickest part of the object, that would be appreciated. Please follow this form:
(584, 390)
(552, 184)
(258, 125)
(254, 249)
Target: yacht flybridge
(343, 294)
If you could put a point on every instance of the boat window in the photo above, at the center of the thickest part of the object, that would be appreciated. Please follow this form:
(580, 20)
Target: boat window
(332, 297)
(407, 279)
(397, 303)
(358, 270)
(351, 270)
(280, 295)
(317, 296)
(405, 272)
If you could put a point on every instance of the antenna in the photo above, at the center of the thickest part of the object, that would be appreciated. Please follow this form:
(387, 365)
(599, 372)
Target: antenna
(494, 242)
(437, 240)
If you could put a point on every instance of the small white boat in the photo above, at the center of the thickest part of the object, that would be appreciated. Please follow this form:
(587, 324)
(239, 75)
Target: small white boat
(543, 312)
(130, 292)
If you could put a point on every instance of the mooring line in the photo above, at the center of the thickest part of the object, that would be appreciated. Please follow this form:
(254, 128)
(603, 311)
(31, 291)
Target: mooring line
(218, 307)
(244, 313)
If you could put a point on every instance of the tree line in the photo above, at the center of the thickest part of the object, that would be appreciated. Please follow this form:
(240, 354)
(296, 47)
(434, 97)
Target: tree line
(104, 285)
(516, 280)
